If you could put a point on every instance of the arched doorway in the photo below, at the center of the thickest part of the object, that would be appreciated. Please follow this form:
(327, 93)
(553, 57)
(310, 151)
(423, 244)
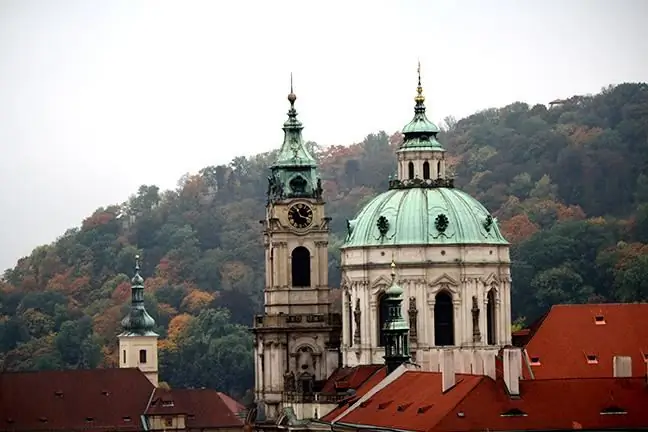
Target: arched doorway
(410, 170)
(491, 327)
(443, 319)
(383, 314)
(301, 272)
(426, 170)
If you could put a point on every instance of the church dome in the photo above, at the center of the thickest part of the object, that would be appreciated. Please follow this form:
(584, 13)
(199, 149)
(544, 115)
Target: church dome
(422, 206)
(423, 216)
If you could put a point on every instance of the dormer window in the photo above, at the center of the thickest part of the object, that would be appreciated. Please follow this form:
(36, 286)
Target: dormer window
(167, 403)
(599, 320)
(613, 410)
(535, 361)
(592, 359)
(514, 412)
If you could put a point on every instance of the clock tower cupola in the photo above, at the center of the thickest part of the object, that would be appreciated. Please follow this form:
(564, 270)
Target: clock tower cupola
(297, 336)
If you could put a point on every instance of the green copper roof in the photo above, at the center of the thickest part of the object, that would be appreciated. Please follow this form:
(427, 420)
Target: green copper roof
(423, 216)
(294, 174)
(293, 152)
(420, 133)
(138, 322)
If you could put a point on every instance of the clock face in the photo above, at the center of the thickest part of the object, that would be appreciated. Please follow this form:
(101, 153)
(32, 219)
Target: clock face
(300, 215)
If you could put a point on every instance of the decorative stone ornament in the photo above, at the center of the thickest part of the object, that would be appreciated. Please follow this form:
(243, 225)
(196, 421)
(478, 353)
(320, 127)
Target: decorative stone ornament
(441, 223)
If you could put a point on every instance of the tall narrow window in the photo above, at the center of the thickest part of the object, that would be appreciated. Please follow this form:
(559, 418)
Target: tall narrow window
(350, 320)
(491, 335)
(301, 271)
(142, 356)
(439, 169)
(426, 170)
(410, 170)
(443, 320)
(383, 314)
(124, 356)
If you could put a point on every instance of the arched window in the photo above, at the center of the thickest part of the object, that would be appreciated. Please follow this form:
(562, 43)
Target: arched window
(443, 319)
(426, 170)
(439, 169)
(410, 170)
(383, 314)
(491, 327)
(301, 272)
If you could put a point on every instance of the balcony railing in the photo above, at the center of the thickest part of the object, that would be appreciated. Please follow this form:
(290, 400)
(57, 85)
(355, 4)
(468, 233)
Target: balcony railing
(324, 398)
(298, 320)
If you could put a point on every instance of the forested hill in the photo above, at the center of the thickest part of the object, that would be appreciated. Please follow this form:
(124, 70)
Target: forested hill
(568, 184)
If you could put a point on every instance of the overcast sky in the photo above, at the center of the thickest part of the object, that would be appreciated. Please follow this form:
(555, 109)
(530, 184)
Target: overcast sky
(98, 97)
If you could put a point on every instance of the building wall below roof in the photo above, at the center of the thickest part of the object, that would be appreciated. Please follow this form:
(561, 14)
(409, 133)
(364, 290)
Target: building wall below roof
(467, 273)
(129, 355)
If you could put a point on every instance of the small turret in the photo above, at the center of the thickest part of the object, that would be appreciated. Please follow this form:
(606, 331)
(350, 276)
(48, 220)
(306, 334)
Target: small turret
(138, 341)
(138, 322)
(395, 329)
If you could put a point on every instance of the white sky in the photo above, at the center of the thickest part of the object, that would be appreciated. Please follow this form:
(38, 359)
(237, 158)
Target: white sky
(98, 97)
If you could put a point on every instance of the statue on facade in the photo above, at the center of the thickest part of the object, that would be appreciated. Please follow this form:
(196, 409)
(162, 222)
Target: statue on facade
(318, 190)
(289, 382)
(356, 319)
(475, 319)
(412, 313)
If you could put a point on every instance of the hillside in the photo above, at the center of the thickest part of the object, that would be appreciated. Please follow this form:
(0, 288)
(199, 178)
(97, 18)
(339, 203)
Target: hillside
(568, 184)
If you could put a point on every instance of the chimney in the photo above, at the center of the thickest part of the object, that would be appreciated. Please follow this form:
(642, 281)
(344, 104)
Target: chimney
(512, 370)
(622, 366)
(447, 370)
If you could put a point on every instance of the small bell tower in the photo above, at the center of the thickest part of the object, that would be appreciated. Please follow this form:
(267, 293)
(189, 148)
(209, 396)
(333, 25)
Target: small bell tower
(138, 343)
(395, 329)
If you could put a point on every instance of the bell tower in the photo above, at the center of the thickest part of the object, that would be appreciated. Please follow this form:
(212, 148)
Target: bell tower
(297, 336)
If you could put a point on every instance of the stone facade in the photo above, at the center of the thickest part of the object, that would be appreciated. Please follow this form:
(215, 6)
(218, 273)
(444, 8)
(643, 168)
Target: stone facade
(438, 282)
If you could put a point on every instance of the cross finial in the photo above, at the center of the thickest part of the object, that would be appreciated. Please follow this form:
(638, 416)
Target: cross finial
(419, 88)
(137, 263)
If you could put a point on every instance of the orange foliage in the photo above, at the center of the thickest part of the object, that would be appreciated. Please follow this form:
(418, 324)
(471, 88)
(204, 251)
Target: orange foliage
(580, 135)
(573, 212)
(121, 293)
(166, 309)
(177, 326)
(597, 221)
(167, 269)
(96, 220)
(193, 186)
(196, 300)
(154, 283)
(518, 228)
(110, 357)
(107, 323)
(628, 253)
(59, 281)
(77, 284)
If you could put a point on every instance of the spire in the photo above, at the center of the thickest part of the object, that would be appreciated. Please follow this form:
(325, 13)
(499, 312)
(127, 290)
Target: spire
(293, 151)
(294, 174)
(420, 131)
(138, 322)
(396, 329)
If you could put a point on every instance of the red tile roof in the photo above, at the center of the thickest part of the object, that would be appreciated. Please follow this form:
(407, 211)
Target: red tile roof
(564, 338)
(73, 400)
(204, 408)
(552, 405)
(345, 377)
(414, 401)
(363, 388)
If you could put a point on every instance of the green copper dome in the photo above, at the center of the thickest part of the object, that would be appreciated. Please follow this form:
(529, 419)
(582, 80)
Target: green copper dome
(423, 216)
(138, 322)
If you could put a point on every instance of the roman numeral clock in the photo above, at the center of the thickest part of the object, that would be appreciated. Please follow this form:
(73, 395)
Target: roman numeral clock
(300, 215)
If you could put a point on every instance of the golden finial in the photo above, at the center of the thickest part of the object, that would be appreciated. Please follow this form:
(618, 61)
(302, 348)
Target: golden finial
(419, 89)
(292, 97)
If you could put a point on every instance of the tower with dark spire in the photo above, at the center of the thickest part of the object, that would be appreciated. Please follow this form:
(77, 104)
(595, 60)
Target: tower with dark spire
(395, 329)
(294, 173)
(297, 336)
(421, 158)
(138, 341)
